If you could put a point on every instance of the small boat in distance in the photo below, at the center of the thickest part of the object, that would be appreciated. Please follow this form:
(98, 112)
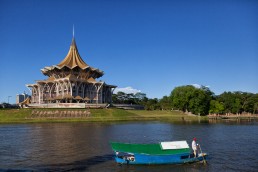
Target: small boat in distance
(174, 152)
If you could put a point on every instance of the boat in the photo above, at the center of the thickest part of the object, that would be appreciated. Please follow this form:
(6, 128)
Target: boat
(172, 152)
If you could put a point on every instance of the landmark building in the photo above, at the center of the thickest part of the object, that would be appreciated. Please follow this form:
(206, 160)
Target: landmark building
(71, 81)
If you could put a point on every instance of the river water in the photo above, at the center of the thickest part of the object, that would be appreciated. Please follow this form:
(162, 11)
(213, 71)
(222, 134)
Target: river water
(232, 146)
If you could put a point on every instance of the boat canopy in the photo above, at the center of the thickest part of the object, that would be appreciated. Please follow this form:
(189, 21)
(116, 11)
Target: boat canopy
(174, 145)
(154, 149)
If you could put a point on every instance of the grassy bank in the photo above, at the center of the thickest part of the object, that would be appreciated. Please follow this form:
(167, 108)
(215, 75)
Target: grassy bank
(97, 115)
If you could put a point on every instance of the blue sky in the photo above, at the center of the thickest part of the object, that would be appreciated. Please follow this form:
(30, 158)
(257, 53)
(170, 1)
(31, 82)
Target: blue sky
(148, 45)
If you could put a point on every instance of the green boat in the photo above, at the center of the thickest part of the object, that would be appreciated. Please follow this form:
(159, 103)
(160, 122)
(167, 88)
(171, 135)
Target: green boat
(176, 152)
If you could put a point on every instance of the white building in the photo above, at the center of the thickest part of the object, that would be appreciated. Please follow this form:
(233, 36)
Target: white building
(71, 81)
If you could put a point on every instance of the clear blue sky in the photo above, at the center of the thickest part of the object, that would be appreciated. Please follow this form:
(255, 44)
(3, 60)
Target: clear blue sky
(149, 45)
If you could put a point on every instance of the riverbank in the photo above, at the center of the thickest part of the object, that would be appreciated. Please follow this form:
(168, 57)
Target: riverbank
(233, 116)
(97, 115)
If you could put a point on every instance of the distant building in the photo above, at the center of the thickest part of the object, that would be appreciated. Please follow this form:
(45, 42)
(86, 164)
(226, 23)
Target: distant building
(21, 97)
(71, 81)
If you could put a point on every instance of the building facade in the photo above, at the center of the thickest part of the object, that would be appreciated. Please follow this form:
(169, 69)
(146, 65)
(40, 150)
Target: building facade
(21, 97)
(71, 81)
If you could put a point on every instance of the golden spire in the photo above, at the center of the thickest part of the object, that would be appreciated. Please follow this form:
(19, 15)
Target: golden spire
(72, 60)
(73, 31)
(73, 57)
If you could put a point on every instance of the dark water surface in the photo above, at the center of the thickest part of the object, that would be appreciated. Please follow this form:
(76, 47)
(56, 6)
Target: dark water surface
(232, 146)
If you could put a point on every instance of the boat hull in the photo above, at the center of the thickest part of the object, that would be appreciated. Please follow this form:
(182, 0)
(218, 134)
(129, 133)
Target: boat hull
(157, 159)
(175, 152)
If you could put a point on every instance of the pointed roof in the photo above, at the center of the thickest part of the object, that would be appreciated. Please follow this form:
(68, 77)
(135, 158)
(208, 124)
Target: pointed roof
(91, 80)
(71, 61)
(51, 79)
(78, 98)
(73, 58)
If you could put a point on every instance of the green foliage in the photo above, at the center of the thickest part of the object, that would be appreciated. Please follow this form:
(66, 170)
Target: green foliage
(199, 101)
(216, 107)
(124, 98)
(250, 102)
(181, 96)
(239, 102)
(165, 103)
(152, 104)
(191, 99)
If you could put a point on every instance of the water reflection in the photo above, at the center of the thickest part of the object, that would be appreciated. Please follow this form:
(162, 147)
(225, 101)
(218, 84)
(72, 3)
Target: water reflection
(80, 165)
(236, 121)
(85, 146)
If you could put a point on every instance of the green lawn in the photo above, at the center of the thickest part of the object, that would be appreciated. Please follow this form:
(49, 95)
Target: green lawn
(97, 115)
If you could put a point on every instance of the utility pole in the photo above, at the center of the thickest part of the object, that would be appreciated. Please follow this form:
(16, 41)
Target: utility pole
(8, 98)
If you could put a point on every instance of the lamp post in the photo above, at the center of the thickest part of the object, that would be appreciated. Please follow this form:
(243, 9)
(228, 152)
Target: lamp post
(8, 98)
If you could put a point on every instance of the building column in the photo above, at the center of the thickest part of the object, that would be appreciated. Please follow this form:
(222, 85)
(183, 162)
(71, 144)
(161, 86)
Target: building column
(111, 92)
(99, 89)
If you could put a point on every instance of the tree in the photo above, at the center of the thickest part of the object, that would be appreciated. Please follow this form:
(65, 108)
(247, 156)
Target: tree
(165, 103)
(255, 109)
(216, 107)
(152, 104)
(139, 97)
(199, 103)
(121, 97)
(114, 98)
(248, 102)
(192, 99)
(253, 103)
(238, 102)
(227, 99)
(181, 96)
(236, 106)
(130, 98)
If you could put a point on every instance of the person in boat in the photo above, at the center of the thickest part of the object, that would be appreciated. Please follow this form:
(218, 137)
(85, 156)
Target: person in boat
(195, 147)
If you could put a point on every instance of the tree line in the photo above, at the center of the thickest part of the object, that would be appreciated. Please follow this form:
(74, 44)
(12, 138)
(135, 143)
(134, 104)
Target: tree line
(198, 101)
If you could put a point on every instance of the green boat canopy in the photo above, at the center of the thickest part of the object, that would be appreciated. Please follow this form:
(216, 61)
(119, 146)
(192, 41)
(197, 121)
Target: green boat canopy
(152, 149)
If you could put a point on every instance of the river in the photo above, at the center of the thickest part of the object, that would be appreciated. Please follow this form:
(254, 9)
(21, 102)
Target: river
(232, 146)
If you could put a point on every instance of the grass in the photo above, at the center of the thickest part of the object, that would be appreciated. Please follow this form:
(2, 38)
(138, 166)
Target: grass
(14, 115)
(98, 115)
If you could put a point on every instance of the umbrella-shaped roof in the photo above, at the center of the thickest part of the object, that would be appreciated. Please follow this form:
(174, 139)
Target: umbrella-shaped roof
(86, 98)
(73, 60)
(59, 97)
(78, 98)
(68, 96)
